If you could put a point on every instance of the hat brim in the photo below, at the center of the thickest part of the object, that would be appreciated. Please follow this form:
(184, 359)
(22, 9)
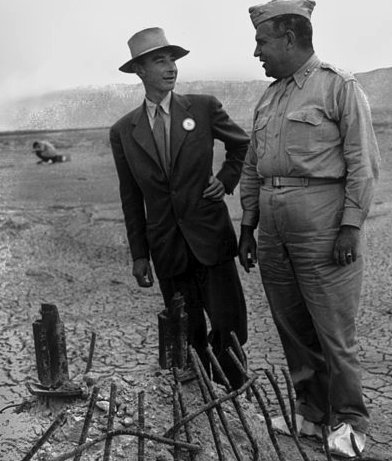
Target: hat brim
(177, 51)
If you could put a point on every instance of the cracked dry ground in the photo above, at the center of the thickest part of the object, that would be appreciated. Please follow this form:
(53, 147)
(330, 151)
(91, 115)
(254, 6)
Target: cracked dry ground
(62, 241)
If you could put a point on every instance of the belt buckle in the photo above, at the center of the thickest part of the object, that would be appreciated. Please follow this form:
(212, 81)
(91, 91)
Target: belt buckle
(276, 181)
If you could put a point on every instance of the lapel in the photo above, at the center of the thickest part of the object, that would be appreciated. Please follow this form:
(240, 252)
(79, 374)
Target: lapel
(142, 133)
(179, 112)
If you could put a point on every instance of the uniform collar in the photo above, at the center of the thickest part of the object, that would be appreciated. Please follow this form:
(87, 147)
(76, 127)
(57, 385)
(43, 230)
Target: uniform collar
(302, 74)
(165, 104)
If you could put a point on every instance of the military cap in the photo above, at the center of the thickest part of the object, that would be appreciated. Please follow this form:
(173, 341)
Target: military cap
(264, 12)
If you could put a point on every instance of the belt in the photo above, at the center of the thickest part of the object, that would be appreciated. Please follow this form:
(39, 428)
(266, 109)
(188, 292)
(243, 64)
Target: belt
(294, 181)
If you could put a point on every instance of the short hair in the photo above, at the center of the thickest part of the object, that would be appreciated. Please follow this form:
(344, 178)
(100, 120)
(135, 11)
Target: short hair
(300, 25)
(36, 144)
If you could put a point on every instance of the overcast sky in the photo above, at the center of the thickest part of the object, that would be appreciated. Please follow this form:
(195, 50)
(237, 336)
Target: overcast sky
(54, 44)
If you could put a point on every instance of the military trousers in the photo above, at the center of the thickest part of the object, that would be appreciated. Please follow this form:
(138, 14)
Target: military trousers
(314, 302)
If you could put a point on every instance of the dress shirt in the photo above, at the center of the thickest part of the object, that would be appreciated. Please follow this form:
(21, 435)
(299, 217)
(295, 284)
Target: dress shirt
(151, 108)
(315, 124)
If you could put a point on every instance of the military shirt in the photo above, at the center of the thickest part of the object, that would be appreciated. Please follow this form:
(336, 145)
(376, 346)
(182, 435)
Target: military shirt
(314, 124)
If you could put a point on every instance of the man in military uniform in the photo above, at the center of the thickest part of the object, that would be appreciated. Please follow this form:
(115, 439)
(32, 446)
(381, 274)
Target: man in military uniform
(307, 183)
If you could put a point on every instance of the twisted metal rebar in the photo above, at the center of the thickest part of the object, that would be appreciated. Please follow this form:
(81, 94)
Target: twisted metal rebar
(210, 405)
(290, 393)
(355, 446)
(282, 405)
(242, 356)
(237, 406)
(141, 425)
(176, 418)
(91, 352)
(123, 432)
(261, 403)
(325, 442)
(219, 410)
(183, 409)
(87, 419)
(210, 414)
(112, 412)
(59, 421)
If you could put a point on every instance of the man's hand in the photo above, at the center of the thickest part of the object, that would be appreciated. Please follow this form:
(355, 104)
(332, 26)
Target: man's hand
(346, 245)
(142, 272)
(215, 191)
(247, 246)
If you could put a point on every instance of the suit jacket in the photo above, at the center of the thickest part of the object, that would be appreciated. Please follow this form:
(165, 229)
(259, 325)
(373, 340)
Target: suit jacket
(165, 214)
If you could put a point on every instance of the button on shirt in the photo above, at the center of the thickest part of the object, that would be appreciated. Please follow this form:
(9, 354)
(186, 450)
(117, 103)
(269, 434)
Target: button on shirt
(316, 124)
(151, 108)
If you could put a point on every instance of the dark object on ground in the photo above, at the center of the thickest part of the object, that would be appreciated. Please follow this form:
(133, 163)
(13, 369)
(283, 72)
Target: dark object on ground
(68, 389)
(173, 334)
(50, 348)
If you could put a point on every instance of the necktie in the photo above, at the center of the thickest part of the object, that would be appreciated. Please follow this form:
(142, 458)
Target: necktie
(159, 133)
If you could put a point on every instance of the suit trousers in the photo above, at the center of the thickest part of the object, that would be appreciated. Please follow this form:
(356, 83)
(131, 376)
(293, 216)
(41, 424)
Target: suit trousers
(216, 290)
(313, 301)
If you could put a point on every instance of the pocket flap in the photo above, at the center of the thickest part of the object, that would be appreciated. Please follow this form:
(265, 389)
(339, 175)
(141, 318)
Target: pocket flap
(313, 117)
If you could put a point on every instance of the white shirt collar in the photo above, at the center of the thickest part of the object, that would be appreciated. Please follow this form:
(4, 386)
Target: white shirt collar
(165, 104)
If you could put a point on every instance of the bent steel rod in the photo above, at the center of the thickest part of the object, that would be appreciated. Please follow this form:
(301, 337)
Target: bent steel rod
(237, 406)
(210, 405)
(141, 424)
(91, 352)
(112, 412)
(87, 419)
(354, 445)
(210, 414)
(183, 409)
(176, 417)
(325, 442)
(285, 415)
(61, 418)
(219, 410)
(242, 356)
(290, 393)
(130, 432)
(261, 403)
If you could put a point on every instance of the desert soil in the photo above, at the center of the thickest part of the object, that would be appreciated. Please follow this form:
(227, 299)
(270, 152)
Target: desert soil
(62, 241)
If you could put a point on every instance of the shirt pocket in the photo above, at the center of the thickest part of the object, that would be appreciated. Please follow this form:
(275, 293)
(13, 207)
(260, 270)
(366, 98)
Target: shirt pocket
(304, 131)
(260, 135)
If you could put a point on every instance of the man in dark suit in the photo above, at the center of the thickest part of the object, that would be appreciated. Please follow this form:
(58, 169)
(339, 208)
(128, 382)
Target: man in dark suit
(173, 203)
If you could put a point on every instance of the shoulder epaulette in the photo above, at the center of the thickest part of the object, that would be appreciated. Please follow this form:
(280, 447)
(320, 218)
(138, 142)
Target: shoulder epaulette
(346, 76)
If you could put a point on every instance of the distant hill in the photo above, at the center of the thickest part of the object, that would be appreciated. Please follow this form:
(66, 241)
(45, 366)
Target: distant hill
(88, 107)
(378, 86)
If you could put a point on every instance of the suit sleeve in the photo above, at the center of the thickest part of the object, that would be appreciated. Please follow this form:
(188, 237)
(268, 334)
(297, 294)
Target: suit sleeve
(236, 144)
(132, 201)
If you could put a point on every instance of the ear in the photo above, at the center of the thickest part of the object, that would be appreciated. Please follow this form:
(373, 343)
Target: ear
(291, 39)
(139, 70)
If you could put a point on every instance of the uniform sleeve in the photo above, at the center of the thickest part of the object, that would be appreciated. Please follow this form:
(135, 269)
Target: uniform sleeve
(132, 201)
(249, 189)
(236, 143)
(360, 152)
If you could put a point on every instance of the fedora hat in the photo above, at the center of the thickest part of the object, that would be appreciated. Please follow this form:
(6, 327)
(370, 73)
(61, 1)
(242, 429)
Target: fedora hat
(146, 41)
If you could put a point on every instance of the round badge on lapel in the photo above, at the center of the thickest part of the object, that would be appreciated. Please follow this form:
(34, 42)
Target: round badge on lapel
(189, 124)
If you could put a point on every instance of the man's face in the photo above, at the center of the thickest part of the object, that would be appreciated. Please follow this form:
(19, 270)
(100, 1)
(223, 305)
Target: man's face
(158, 71)
(271, 50)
